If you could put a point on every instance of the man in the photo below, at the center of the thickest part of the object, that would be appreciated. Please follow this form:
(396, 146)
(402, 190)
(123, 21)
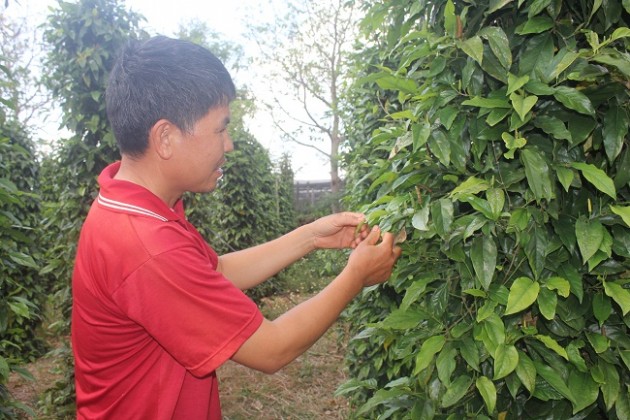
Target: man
(155, 310)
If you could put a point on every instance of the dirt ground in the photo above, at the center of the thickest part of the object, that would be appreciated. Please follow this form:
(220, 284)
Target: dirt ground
(303, 390)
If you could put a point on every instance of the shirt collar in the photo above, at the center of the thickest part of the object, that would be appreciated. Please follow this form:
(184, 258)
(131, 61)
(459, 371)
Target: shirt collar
(127, 197)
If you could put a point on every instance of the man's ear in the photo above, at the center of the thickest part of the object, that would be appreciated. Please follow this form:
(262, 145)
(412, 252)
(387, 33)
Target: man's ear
(161, 138)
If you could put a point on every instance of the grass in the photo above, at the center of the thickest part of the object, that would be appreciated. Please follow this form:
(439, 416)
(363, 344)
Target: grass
(302, 390)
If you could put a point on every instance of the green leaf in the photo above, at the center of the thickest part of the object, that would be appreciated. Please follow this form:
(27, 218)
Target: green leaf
(535, 25)
(547, 302)
(397, 83)
(496, 200)
(402, 319)
(599, 343)
(420, 135)
(429, 348)
(442, 215)
(472, 185)
(494, 330)
(470, 352)
(456, 391)
(560, 284)
(440, 146)
(450, 20)
(537, 173)
(526, 371)
(505, 361)
(589, 234)
(623, 212)
(445, 363)
(574, 99)
(23, 259)
(420, 219)
(487, 102)
(523, 294)
(473, 47)
(483, 254)
(612, 385)
(553, 126)
(597, 177)
(622, 406)
(512, 144)
(537, 6)
(565, 176)
(516, 82)
(615, 129)
(499, 44)
(620, 295)
(602, 307)
(584, 388)
(523, 104)
(552, 344)
(488, 392)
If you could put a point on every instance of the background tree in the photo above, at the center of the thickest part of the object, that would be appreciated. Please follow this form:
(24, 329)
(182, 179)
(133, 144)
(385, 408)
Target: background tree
(498, 141)
(21, 47)
(22, 291)
(304, 60)
(84, 38)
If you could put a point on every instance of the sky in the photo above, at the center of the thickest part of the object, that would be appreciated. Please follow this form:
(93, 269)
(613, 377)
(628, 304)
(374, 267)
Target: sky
(227, 18)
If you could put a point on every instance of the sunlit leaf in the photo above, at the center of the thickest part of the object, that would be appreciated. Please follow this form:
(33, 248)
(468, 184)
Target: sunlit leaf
(526, 371)
(623, 212)
(505, 360)
(552, 344)
(523, 104)
(473, 47)
(597, 177)
(472, 185)
(488, 392)
(619, 294)
(430, 347)
(523, 293)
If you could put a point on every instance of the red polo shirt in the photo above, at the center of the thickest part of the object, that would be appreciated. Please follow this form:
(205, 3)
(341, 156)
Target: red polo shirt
(152, 318)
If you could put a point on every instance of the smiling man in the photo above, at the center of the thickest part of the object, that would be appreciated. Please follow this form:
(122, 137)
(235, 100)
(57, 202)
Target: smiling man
(155, 310)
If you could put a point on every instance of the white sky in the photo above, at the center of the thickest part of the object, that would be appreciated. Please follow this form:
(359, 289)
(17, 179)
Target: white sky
(225, 17)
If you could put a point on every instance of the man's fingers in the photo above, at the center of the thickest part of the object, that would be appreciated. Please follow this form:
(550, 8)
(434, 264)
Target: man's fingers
(388, 240)
(374, 236)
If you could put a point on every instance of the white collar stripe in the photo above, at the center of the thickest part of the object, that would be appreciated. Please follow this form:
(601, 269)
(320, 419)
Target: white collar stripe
(117, 205)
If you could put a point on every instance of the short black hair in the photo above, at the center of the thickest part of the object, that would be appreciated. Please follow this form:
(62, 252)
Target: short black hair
(163, 78)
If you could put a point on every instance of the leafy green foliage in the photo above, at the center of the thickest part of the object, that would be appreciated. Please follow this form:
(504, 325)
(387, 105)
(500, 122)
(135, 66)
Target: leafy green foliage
(23, 291)
(498, 139)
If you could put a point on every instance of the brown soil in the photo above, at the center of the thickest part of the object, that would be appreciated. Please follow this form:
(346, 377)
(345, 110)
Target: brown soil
(303, 390)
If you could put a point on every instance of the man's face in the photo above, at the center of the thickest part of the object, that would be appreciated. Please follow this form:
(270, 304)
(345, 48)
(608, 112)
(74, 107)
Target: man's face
(201, 154)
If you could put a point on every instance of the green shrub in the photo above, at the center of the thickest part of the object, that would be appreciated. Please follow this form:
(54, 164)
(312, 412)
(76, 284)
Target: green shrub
(498, 139)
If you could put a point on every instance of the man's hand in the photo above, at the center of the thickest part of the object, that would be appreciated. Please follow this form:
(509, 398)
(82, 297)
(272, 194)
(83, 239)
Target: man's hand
(341, 230)
(372, 260)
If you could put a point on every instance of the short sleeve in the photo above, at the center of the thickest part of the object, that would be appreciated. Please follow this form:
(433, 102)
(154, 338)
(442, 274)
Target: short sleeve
(195, 313)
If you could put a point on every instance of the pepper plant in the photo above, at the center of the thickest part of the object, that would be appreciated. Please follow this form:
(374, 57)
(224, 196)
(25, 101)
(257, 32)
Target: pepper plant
(494, 135)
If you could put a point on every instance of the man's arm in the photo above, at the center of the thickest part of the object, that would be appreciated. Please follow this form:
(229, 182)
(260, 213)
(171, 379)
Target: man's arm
(277, 343)
(252, 266)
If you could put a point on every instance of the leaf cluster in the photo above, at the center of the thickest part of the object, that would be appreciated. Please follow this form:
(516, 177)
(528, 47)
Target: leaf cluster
(495, 133)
